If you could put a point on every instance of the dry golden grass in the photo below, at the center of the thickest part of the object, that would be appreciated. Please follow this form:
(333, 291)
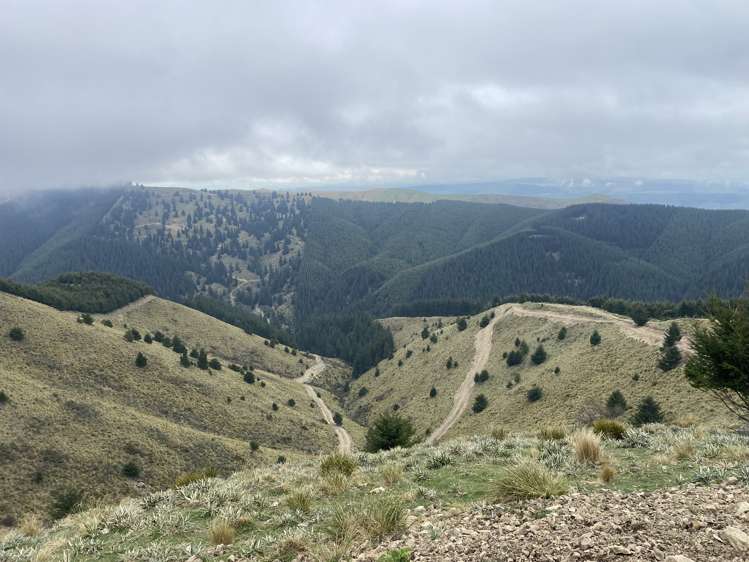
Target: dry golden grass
(587, 446)
(586, 374)
(90, 410)
(31, 525)
(200, 330)
(407, 387)
(220, 532)
(391, 474)
(552, 433)
(607, 474)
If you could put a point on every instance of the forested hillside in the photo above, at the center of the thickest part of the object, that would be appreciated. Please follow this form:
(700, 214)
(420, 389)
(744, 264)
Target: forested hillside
(307, 269)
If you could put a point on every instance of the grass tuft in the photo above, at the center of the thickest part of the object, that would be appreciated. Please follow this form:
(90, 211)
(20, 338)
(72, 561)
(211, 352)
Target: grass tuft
(392, 474)
(607, 474)
(338, 463)
(609, 428)
(220, 532)
(529, 479)
(587, 446)
(550, 433)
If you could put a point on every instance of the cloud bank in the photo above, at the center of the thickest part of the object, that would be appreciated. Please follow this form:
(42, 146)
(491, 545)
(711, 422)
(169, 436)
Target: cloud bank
(302, 93)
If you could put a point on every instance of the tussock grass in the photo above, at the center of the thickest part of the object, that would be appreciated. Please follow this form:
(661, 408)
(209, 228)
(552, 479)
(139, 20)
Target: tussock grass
(31, 525)
(220, 532)
(587, 446)
(335, 483)
(338, 463)
(550, 433)
(529, 479)
(300, 500)
(500, 433)
(607, 474)
(609, 428)
(384, 516)
(392, 474)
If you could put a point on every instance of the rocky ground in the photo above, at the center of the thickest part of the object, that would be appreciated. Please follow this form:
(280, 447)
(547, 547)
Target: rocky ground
(697, 523)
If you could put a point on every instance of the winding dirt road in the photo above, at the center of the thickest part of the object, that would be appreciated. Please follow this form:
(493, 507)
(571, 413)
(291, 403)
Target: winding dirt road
(345, 444)
(483, 345)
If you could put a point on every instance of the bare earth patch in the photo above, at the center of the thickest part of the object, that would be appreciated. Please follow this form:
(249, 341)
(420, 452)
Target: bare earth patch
(693, 521)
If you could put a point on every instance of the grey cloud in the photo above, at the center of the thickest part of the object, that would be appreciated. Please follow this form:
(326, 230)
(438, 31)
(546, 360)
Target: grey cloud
(296, 93)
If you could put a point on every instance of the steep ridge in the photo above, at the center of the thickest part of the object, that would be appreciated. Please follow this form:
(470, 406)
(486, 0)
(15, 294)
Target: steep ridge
(91, 410)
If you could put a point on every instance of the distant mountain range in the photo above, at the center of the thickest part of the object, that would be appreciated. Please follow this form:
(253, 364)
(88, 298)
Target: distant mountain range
(547, 193)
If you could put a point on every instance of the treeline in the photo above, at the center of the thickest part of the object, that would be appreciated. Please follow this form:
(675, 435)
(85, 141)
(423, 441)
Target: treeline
(355, 338)
(663, 310)
(83, 292)
(239, 316)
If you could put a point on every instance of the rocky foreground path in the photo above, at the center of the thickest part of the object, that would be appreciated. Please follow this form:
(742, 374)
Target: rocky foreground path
(696, 523)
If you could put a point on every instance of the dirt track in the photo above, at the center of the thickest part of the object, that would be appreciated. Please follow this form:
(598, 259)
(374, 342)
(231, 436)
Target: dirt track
(575, 314)
(483, 346)
(569, 315)
(345, 444)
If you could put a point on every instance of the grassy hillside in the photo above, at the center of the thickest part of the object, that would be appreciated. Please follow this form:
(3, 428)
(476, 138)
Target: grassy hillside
(78, 408)
(587, 374)
(199, 330)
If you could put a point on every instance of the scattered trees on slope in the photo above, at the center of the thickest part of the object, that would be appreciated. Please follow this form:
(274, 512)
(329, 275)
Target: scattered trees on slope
(388, 431)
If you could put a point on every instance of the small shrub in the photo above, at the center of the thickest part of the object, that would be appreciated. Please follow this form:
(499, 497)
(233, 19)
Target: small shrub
(595, 338)
(195, 475)
(551, 433)
(220, 532)
(607, 474)
(557, 370)
(254, 446)
(587, 446)
(484, 322)
(132, 335)
(65, 502)
(337, 418)
(609, 428)
(300, 500)
(616, 404)
(17, 334)
(670, 358)
(249, 377)
(391, 474)
(529, 479)
(363, 391)
(3, 397)
(291, 402)
(86, 318)
(539, 356)
(479, 404)
(281, 459)
(107, 322)
(432, 392)
(215, 364)
(534, 394)
(462, 324)
(130, 470)
(562, 333)
(184, 361)
(338, 463)
(274, 407)
(482, 377)
(639, 315)
(140, 360)
(148, 338)
(389, 431)
(648, 411)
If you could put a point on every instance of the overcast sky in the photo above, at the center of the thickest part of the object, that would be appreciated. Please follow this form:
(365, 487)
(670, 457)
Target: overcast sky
(253, 93)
